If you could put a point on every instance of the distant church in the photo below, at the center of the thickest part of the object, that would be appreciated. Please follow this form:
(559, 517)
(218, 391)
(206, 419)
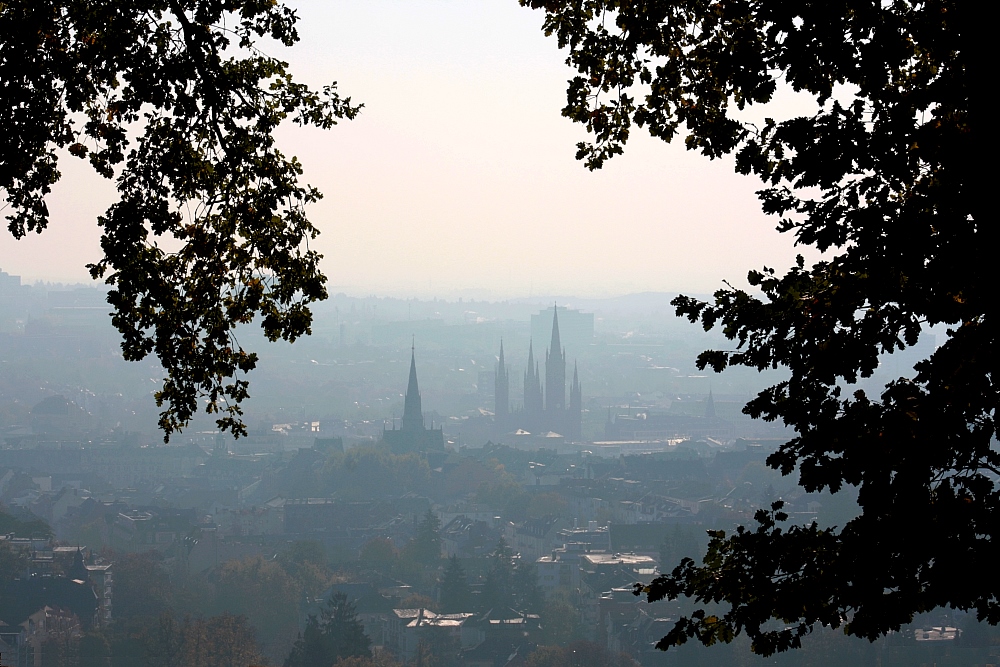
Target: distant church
(541, 412)
(412, 435)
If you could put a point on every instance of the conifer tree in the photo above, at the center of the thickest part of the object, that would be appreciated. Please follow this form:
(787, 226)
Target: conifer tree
(425, 547)
(456, 596)
(336, 634)
(498, 587)
(527, 594)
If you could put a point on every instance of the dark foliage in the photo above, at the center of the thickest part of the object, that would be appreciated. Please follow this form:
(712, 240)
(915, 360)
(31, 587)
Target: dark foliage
(174, 101)
(456, 594)
(219, 641)
(883, 178)
(24, 527)
(425, 548)
(578, 654)
(142, 587)
(336, 634)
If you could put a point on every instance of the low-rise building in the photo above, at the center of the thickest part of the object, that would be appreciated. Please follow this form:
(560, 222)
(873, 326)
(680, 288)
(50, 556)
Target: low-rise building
(407, 628)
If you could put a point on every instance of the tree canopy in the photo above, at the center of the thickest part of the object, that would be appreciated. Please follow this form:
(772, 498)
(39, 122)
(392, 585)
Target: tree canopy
(173, 100)
(881, 177)
(242, 584)
(218, 641)
(335, 635)
(425, 547)
(455, 593)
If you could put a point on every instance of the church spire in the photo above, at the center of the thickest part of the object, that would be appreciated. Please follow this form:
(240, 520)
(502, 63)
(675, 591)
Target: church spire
(413, 417)
(555, 371)
(501, 391)
(555, 346)
(574, 416)
(532, 390)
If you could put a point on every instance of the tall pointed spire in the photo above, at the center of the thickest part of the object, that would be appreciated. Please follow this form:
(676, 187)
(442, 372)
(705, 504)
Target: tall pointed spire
(555, 371)
(710, 405)
(413, 417)
(532, 390)
(501, 391)
(574, 416)
(555, 346)
(78, 570)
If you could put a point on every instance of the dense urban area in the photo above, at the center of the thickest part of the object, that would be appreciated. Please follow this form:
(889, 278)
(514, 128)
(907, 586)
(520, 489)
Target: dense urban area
(445, 483)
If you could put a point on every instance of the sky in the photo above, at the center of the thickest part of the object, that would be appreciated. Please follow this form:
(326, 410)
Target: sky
(459, 175)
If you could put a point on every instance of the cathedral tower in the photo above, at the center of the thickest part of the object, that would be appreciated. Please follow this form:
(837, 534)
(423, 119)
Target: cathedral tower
(574, 416)
(413, 436)
(413, 416)
(545, 407)
(533, 410)
(501, 392)
(555, 371)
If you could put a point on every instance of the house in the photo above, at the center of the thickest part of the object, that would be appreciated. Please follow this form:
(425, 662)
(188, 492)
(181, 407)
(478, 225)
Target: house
(408, 628)
(27, 596)
(534, 538)
(560, 569)
(14, 647)
(101, 574)
(50, 624)
(465, 536)
(503, 625)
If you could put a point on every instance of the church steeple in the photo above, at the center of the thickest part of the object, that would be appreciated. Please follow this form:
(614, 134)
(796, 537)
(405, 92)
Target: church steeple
(710, 405)
(532, 390)
(555, 371)
(501, 391)
(413, 418)
(574, 416)
(78, 570)
(555, 346)
(549, 405)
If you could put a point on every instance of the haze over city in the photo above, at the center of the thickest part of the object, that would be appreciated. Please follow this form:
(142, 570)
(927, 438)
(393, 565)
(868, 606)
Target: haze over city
(459, 174)
(521, 413)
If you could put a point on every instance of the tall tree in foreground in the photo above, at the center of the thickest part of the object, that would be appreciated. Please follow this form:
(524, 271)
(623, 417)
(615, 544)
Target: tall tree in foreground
(174, 101)
(883, 179)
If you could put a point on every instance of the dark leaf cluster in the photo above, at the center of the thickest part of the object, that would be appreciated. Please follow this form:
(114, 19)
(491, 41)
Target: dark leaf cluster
(336, 634)
(882, 177)
(172, 100)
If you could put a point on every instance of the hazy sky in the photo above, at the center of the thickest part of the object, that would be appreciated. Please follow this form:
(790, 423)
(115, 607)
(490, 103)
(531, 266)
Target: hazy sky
(459, 173)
